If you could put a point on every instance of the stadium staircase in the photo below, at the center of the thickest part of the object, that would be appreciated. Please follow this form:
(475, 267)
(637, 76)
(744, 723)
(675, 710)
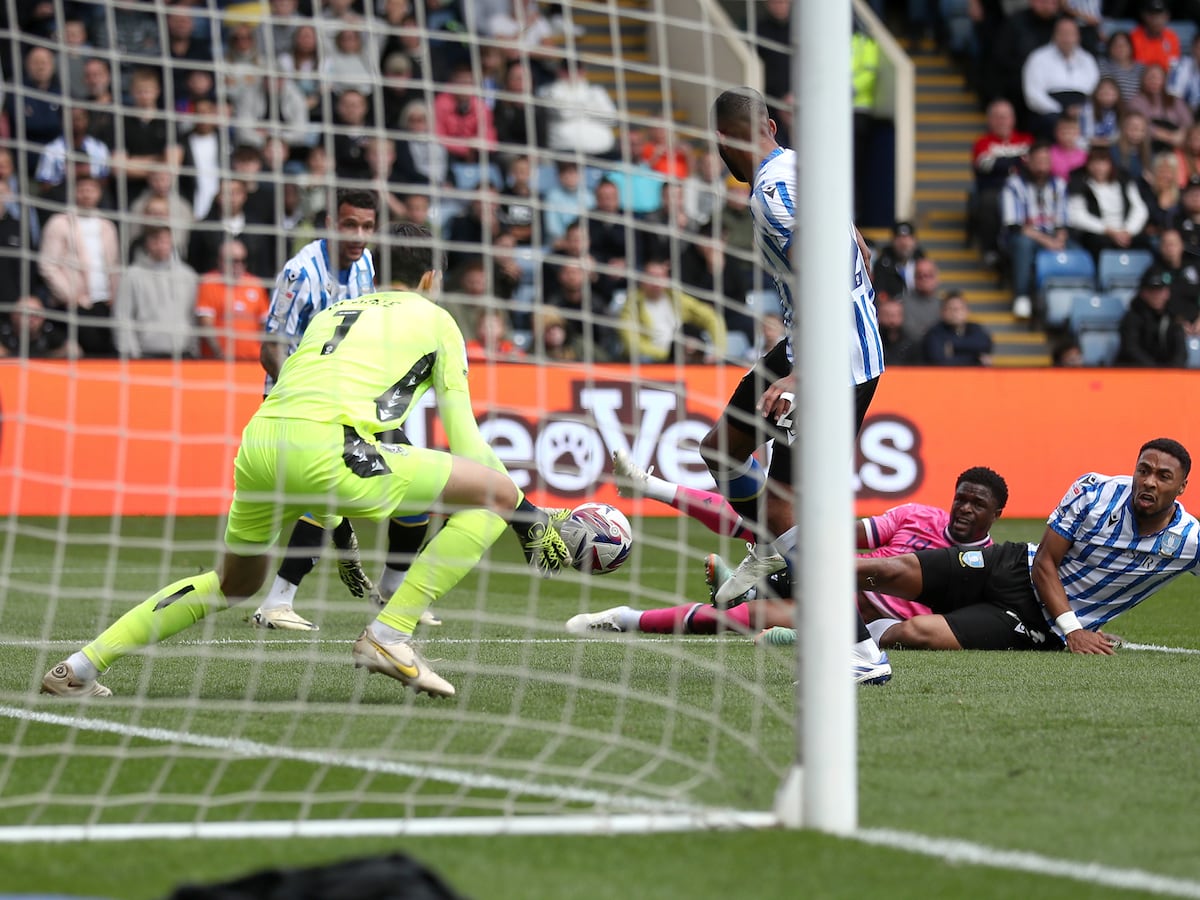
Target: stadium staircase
(948, 122)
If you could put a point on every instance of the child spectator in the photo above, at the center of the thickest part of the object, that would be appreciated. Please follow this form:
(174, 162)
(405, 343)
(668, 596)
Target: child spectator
(1065, 154)
(492, 339)
(1100, 117)
(1131, 151)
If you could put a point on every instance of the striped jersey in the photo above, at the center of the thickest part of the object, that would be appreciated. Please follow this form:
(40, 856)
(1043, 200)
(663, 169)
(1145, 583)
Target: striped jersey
(773, 210)
(1044, 206)
(906, 529)
(307, 285)
(1110, 568)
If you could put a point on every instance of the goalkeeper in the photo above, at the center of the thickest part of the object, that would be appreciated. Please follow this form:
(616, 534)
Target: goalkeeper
(359, 370)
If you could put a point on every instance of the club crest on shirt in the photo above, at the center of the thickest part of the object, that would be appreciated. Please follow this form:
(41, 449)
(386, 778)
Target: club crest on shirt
(1171, 543)
(971, 559)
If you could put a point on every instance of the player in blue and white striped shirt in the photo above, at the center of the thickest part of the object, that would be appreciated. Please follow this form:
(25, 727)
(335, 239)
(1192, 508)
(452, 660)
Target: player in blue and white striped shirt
(1110, 544)
(746, 142)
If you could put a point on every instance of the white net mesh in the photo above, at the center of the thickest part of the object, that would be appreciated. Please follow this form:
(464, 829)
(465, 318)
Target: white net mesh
(561, 156)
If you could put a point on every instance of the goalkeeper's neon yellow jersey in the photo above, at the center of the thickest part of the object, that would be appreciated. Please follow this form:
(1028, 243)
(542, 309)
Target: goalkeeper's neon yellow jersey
(364, 362)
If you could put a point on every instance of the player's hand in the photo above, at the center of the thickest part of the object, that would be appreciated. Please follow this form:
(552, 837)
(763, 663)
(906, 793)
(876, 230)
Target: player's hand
(773, 404)
(1089, 642)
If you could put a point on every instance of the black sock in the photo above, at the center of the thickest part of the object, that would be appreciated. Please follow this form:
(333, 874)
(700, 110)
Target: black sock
(405, 538)
(525, 516)
(863, 634)
(303, 549)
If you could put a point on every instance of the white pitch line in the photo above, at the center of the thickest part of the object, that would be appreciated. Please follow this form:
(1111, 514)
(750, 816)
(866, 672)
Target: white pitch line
(257, 750)
(292, 643)
(956, 851)
(1159, 648)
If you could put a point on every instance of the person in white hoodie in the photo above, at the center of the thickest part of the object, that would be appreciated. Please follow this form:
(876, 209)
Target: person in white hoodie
(582, 114)
(155, 311)
(1105, 209)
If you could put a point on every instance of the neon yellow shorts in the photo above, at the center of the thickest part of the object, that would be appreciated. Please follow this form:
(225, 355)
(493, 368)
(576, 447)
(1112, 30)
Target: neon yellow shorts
(287, 467)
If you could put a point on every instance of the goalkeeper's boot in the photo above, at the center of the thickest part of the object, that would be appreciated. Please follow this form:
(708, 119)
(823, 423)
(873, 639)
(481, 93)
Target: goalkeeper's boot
(749, 572)
(543, 546)
(605, 620)
(716, 573)
(281, 618)
(61, 681)
(402, 661)
(350, 570)
(631, 478)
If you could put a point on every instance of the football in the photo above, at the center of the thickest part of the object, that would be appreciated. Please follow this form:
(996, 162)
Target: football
(598, 536)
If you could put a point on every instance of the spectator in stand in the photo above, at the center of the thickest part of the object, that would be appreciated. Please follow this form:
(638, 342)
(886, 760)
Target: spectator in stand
(243, 63)
(399, 89)
(474, 228)
(461, 119)
(1100, 116)
(1066, 154)
(421, 159)
(160, 185)
(417, 211)
(896, 265)
(1131, 151)
(19, 229)
(186, 50)
(581, 114)
(899, 347)
(1089, 16)
(231, 308)
(705, 273)
(996, 156)
(80, 263)
(203, 151)
(247, 165)
(1150, 336)
(145, 134)
(272, 107)
(1022, 32)
(381, 161)
(607, 235)
(773, 26)
(349, 64)
(551, 341)
(923, 301)
(1161, 193)
(1105, 209)
(1184, 80)
(519, 208)
(73, 148)
(40, 104)
(1067, 354)
(155, 310)
(133, 38)
(734, 218)
(97, 80)
(566, 201)
(1154, 42)
(76, 50)
(1187, 220)
(27, 333)
(493, 70)
(518, 122)
(704, 189)
(660, 232)
(864, 80)
(1168, 117)
(1188, 155)
(1034, 216)
(350, 138)
(584, 311)
(574, 248)
(278, 34)
(302, 64)
(227, 219)
(200, 85)
(771, 331)
(1119, 65)
(660, 323)
(665, 152)
(954, 340)
(492, 341)
(1184, 304)
(1058, 77)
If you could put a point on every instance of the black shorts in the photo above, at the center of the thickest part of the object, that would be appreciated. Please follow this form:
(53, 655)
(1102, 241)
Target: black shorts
(986, 597)
(863, 395)
(741, 414)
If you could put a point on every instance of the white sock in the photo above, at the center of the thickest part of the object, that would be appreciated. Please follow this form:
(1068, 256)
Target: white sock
(879, 627)
(786, 542)
(660, 489)
(390, 581)
(282, 594)
(628, 618)
(387, 634)
(84, 668)
(867, 650)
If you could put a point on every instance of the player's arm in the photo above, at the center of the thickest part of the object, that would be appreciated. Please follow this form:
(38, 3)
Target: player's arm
(862, 540)
(454, 399)
(1049, 586)
(292, 291)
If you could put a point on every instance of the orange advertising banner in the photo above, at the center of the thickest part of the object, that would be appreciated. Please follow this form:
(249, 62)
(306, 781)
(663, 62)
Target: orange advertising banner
(158, 438)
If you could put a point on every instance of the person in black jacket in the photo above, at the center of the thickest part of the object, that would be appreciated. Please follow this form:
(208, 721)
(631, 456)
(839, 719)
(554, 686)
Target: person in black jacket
(954, 341)
(1150, 336)
(895, 268)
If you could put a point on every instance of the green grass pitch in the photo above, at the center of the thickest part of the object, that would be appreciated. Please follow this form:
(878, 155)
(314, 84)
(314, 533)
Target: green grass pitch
(1078, 759)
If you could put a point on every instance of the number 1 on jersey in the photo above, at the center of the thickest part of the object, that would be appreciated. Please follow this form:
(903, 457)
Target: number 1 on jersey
(349, 317)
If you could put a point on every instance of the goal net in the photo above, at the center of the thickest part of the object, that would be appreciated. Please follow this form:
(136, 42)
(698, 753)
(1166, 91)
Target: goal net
(563, 159)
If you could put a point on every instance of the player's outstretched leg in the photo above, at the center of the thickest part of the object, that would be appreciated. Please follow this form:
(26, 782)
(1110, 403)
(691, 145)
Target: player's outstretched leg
(708, 508)
(168, 612)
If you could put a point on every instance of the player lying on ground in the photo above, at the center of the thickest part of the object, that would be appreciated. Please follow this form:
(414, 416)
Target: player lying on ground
(979, 498)
(1111, 543)
(760, 409)
(312, 446)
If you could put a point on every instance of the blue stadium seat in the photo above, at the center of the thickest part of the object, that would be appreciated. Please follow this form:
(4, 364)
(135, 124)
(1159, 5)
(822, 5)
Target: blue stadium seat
(530, 260)
(1096, 312)
(1111, 26)
(1064, 268)
(468, 176)
(1186, 30)
(763, 303)
(738, 346)
(1099, 347)
(546, 178)
(1122, 268)
(1193, 357)
(1059, 303)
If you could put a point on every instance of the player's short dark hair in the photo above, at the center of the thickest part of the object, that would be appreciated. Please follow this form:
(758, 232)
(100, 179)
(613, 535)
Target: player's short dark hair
(988, 478)
(739, 106)
(1171, 448)
(412, 253)
(357, 198)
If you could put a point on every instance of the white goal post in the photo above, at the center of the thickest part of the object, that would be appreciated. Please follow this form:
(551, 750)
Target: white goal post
(115, 461)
